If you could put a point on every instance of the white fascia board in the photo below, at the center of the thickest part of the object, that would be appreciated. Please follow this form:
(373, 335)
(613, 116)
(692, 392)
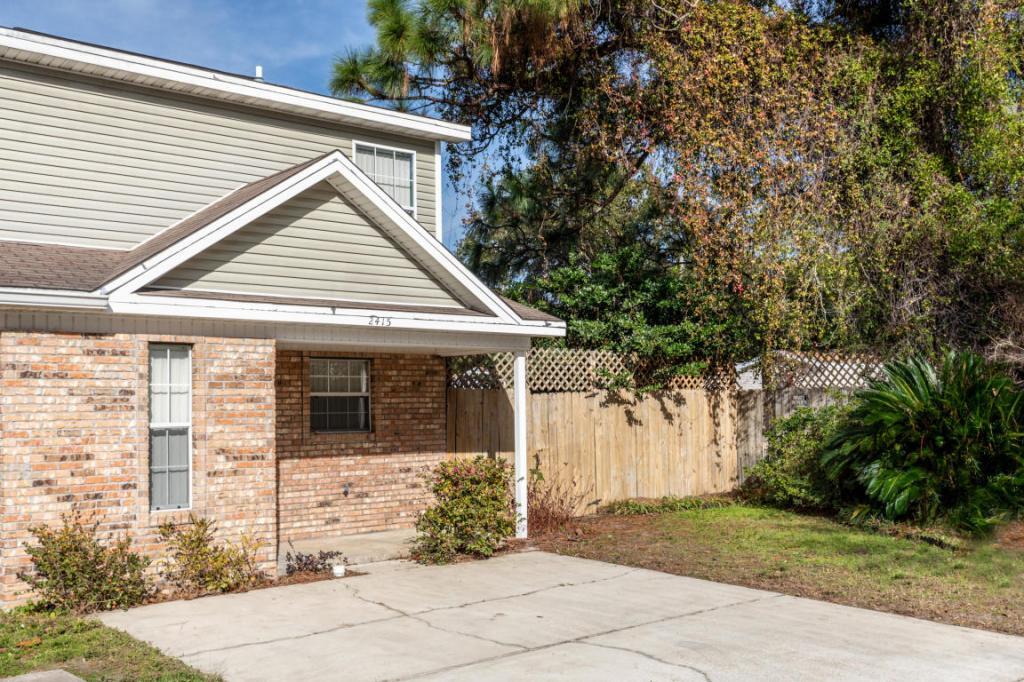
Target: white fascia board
(51, 298)
(164, 306)
(166, 75)
(438, 191)
(357, 186)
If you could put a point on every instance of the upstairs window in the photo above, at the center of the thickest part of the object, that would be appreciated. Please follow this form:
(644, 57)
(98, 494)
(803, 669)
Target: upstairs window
(393, 171)
(339, 394)
(170, 427)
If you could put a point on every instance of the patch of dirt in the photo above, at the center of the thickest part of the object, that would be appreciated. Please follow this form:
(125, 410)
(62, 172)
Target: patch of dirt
(1011, 536)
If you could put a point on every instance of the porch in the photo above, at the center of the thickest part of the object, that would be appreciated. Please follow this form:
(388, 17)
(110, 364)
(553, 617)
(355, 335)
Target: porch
(353, 480)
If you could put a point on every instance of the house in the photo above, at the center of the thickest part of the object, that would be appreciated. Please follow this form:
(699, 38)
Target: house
(222, 296)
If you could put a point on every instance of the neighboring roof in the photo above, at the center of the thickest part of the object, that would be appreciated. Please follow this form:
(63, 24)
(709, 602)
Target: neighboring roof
(55, 52)
(527, 313)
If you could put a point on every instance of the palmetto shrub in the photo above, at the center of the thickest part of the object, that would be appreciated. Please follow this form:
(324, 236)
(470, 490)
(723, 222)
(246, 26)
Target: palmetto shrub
(926, 443)
(473, 513)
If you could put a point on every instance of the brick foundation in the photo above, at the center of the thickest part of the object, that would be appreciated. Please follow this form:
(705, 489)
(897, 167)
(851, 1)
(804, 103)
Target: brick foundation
(74, 436)
(333, 483)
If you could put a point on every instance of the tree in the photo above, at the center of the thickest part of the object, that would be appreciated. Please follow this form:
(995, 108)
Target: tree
(831, 173)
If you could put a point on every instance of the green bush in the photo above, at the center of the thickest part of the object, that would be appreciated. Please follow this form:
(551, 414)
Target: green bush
(473, 513)
(74, 571)
(791, 475)
(928, 444)
(198, 564)
(662, 505)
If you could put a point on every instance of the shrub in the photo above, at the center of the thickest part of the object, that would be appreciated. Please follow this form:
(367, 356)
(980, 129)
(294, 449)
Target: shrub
(303, 562)
(926, 444)
(791, 475)
(473, 511)
(552, 504)
(662, 505)
(74, 571)
(198, 564)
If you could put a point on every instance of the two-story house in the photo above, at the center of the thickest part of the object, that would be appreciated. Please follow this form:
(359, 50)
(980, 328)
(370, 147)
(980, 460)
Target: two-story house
(222, 296)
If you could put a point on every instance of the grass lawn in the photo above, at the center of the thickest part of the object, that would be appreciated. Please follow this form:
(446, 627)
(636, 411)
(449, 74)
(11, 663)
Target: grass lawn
(980, 585)
(31, 642)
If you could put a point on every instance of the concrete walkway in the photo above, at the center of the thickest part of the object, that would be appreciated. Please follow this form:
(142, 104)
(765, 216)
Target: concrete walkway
(540, 616)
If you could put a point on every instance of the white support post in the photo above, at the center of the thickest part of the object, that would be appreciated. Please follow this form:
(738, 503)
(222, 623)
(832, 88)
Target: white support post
(519, 420)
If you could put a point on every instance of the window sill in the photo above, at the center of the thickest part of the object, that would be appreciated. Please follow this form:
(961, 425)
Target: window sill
(341, 436)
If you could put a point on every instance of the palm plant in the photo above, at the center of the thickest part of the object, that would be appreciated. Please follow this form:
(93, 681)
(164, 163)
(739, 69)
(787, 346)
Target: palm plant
(925, 443)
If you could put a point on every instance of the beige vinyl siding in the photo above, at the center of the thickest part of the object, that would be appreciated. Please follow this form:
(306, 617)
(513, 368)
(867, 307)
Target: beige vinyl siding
(316, 245)
(92, 163)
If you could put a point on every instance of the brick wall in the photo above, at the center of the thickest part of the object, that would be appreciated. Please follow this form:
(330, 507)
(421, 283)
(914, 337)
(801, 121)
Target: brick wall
(340, 483)
(74, 436)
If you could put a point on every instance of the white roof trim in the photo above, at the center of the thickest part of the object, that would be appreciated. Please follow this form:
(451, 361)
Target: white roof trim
(50, 298)
(155, 305)
(68, 55)
(355, 186)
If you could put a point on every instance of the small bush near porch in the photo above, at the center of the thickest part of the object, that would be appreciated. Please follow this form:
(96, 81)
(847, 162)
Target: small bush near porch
(975, 583)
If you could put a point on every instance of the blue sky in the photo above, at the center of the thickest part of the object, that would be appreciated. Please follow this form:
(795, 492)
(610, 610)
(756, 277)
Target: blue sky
(294, 40)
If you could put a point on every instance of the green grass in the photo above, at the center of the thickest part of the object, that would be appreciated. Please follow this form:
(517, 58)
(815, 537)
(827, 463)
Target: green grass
(977, 583)
(41, 641)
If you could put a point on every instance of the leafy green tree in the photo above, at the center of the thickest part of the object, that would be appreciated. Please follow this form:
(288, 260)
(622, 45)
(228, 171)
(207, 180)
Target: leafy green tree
(708, 179)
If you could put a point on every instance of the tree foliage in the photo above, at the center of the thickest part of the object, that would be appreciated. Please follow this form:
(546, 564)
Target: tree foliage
(704, 180)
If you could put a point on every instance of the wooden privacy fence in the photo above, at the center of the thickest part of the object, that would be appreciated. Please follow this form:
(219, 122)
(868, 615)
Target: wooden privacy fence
(700, 437)
(678, 442)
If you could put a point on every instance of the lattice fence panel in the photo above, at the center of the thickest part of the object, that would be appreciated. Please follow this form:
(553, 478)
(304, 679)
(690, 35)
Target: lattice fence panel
(552, 370)
(824, 370)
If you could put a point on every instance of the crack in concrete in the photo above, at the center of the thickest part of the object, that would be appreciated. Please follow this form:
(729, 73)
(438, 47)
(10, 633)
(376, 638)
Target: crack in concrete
(582, 639)
(287, 638)
(648, 656)
(528, 593)
(520, 649)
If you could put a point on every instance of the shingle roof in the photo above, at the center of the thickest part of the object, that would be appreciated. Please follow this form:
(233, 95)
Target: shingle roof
(51, 266)
(205, 216)
(527, 313)
(74, 268)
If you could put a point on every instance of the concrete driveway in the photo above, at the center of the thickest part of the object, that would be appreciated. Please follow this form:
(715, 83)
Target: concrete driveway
(540, 616)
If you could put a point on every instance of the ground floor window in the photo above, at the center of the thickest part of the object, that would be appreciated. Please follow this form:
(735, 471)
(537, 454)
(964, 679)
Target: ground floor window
(170, 426)
(339, 395)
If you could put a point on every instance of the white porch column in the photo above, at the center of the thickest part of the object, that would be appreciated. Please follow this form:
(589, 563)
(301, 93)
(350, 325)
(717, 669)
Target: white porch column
(519, 420)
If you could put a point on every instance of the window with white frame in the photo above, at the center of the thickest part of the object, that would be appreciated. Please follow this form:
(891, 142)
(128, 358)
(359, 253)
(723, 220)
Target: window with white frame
(170, 426)
(393, 171)
(339, 394)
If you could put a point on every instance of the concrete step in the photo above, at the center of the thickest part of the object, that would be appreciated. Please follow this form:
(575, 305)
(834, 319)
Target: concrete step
(365, 548)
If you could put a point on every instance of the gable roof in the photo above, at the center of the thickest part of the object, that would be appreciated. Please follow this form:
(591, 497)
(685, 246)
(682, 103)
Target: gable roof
(147, 263)
(55, 52)
(204, 216)
(122, 274)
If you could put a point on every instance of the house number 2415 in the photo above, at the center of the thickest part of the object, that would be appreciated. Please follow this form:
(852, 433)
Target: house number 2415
(380, 321)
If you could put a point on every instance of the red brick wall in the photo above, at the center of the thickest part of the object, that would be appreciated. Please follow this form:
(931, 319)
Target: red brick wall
(381, 471)
(74, 436)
